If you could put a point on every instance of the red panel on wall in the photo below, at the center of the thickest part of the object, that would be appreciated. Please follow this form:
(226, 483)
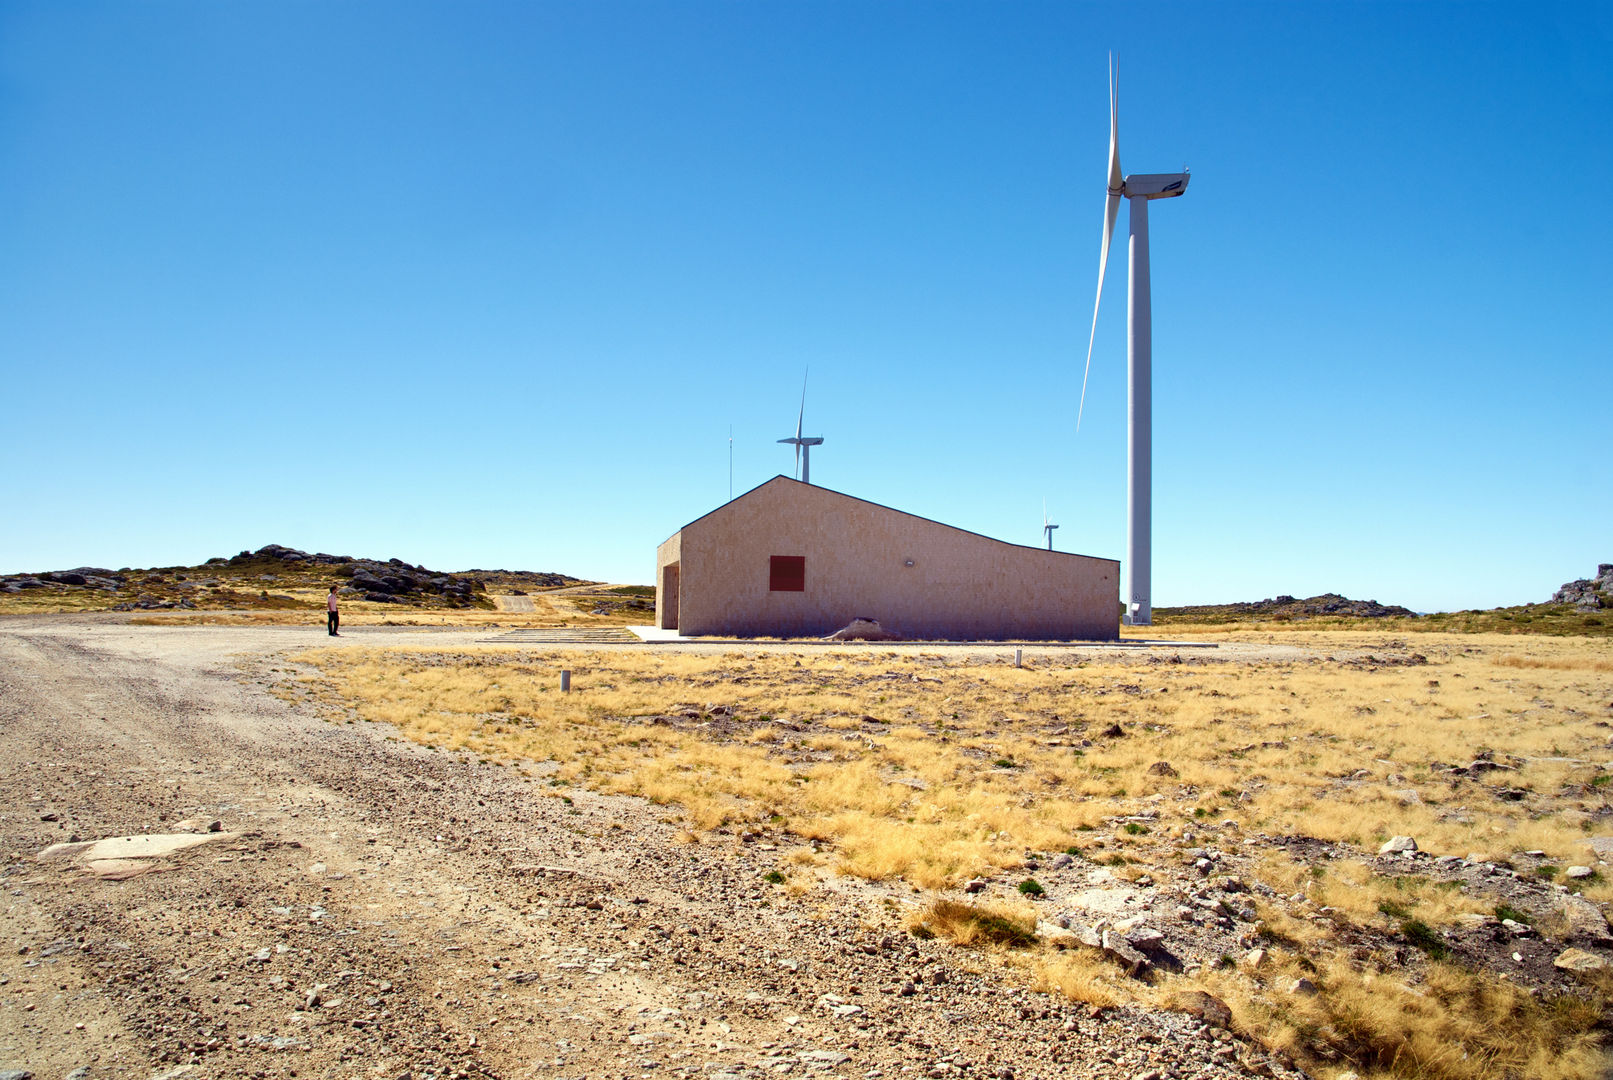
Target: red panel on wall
(786, 573)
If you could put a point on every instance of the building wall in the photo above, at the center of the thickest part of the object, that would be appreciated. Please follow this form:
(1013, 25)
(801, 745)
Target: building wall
(668, 590)
(959, 586)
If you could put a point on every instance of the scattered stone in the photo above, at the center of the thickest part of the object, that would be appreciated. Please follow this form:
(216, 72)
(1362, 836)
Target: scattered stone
(1577, 872)
(974, 885)
(1484, 765)
(1253, 960)
(1300, 986)
(831, 1058)
(1397, 844)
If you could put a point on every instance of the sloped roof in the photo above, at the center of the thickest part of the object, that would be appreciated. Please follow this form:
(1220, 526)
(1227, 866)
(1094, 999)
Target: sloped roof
(782, 479)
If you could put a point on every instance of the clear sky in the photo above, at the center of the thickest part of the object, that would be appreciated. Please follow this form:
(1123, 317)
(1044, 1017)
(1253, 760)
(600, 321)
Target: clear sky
(486, 284)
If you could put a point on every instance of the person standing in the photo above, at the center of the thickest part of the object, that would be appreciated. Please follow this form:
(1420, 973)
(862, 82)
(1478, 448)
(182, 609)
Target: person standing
(333, 619)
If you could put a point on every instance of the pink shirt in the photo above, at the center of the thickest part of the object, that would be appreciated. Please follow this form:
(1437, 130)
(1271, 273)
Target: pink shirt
(330, 602)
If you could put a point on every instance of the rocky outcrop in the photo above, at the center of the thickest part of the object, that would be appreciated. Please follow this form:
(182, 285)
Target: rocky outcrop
(393, 581)
(1588, 594)
(538, 579)
(1284, 608)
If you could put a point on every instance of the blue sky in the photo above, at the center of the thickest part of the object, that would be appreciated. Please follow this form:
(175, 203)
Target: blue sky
(486, 284)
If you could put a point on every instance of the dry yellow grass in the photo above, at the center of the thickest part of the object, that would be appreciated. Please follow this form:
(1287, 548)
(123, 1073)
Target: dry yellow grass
(931, 769)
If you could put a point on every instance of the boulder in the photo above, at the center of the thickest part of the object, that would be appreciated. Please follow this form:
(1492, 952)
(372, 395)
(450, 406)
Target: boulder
(1117, 948)
(1578, 962)
(1583, 919)
(1057, 935)
(1206, 1007)
(864, 629)
(1396, 845)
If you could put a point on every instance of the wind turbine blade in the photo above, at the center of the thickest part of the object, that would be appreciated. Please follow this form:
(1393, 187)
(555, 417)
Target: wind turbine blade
(1111, 207)
(1116, 180)
(802, 415)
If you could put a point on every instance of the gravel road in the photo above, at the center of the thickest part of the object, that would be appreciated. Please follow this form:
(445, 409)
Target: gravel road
(369, 908)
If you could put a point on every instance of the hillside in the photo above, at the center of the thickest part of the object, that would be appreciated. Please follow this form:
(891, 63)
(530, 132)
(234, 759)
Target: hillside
(1577, 609)
(273, 577)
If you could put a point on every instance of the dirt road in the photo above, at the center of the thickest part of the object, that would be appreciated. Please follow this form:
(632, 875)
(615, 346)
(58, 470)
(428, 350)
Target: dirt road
(369, 908)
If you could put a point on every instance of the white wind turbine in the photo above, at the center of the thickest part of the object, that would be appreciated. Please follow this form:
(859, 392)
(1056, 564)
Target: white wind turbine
(1047, 525)
(1140, 189)
(803, 444)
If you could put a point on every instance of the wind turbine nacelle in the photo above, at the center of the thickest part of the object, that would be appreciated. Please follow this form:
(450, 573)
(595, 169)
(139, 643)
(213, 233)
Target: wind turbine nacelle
(1155, 185)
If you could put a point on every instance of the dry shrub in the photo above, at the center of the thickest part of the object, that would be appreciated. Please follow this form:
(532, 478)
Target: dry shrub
(991, 923)
(1457, 1025)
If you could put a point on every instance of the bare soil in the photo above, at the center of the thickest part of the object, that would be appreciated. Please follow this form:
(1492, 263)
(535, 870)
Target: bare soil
(371, 908)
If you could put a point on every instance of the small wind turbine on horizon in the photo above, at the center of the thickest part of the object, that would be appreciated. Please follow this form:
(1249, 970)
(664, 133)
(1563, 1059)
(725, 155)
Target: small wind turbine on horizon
(1047, 525)
(1140, 189)
(803, 443)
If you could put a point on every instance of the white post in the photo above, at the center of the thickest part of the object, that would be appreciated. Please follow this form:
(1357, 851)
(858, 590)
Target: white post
(1139, 424)
(806, 464)
(1019, 657)
(565, 681)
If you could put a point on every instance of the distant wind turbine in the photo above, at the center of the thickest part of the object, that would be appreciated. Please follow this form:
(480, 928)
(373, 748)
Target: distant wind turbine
(1140, 189)
(1047, 525)
(803, 444)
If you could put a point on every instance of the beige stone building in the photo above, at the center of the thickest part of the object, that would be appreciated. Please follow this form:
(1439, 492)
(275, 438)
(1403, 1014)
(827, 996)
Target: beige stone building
(788, 559)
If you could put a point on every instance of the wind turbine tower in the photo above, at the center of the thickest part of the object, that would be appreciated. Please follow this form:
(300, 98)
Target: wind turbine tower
(803, 443)
(1141, 189)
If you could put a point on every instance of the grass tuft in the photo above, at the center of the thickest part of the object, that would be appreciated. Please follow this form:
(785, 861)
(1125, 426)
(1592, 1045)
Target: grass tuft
(970, 924)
